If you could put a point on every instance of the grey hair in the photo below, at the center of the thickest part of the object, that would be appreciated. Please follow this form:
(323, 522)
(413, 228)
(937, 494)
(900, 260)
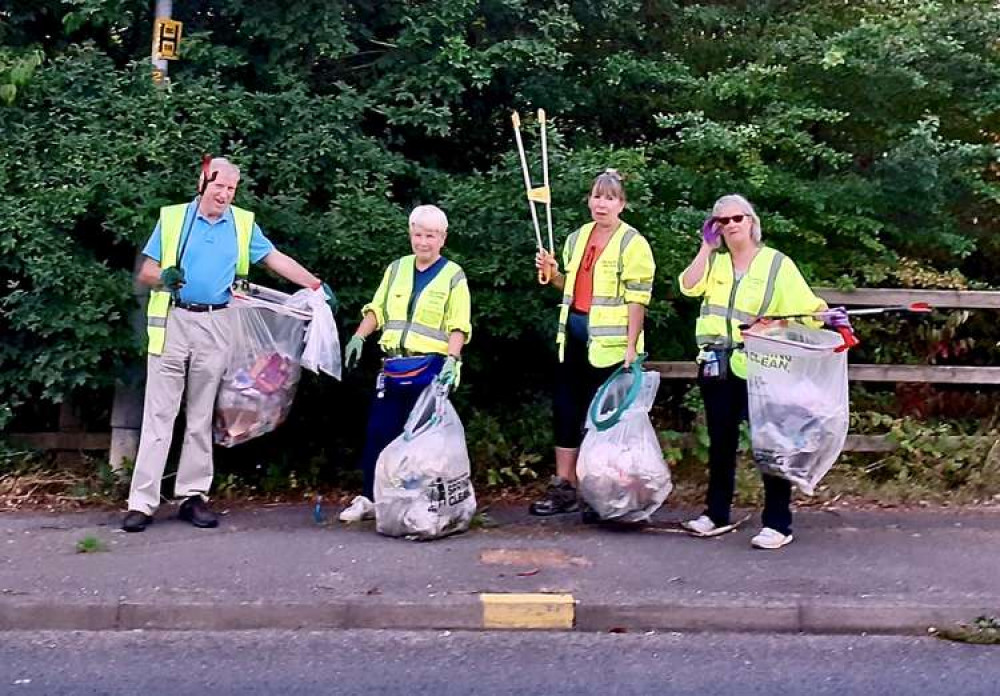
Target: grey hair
(748, 209)
(219, 163)
(429, 216)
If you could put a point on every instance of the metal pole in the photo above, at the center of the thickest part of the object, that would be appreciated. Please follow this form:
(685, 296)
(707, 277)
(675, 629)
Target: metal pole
(164, 9)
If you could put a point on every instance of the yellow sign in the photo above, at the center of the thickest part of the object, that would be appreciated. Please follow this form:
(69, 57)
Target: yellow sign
(157, 76)
(540, 194)
(167, 39)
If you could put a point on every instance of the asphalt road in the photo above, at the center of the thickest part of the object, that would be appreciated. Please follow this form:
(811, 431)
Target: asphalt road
(526, 664)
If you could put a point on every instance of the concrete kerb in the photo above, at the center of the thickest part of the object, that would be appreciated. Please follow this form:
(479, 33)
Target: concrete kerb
(467, 613)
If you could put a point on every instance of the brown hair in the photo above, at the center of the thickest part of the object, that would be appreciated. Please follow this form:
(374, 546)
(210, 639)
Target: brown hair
(609, 182)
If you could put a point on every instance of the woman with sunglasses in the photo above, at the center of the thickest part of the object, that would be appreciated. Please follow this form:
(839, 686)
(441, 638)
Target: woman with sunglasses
(750, 281)
(606, 284)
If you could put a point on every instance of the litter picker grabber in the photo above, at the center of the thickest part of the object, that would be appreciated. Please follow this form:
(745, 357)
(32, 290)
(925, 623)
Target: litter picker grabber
(541, 194)
(850, 340)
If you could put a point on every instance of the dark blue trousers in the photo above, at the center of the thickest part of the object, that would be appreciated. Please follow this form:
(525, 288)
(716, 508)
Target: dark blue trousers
(389, 410)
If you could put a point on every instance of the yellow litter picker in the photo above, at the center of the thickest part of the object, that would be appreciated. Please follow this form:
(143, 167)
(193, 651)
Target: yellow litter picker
(541, 194)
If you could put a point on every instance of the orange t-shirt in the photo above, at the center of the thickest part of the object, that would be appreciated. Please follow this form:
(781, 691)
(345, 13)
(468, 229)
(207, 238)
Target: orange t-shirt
(583, 289)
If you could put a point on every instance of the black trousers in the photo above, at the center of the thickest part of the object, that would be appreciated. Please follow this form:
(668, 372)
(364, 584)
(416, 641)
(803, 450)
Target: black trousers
(577, 381)
(725, 408)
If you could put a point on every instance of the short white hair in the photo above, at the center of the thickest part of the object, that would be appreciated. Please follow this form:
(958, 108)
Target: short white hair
(429, 216)
(747, 208)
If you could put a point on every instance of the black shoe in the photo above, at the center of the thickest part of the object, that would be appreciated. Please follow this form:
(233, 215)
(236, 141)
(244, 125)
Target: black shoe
(136, 521)
(195, 511)
(559, 498)
(588, 515)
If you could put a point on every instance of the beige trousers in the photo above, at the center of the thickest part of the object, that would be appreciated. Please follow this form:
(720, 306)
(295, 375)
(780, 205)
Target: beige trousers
(194, 358)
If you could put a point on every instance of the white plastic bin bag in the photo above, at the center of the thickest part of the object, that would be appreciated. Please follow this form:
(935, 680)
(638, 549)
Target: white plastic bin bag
(797, 383)
(621, 471)
(423, 486)
(258, 387)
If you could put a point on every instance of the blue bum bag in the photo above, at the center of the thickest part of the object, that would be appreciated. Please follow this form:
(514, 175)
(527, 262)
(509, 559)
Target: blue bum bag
(411, 371)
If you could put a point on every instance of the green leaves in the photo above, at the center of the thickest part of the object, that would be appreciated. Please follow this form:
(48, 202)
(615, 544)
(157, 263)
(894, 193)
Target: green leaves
(863, 131)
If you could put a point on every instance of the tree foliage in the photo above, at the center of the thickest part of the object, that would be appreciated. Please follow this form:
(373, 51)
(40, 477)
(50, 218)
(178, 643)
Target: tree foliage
(864, 131)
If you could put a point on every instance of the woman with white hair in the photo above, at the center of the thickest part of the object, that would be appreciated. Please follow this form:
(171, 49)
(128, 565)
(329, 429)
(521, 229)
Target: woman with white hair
(750, 281)
(422, 307)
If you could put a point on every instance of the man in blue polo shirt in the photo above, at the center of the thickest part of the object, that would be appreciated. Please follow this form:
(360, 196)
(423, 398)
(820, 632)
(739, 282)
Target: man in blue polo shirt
(192, 259)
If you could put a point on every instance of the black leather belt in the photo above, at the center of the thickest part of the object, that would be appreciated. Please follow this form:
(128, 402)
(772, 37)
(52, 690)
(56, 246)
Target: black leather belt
(197, 307)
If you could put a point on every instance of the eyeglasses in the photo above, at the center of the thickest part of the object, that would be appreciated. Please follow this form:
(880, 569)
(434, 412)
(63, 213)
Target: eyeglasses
(723, 221)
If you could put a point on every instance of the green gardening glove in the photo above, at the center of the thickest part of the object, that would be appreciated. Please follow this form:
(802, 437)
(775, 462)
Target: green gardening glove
(331, 299)
(353, 353)
(451, 372)
(172, 278)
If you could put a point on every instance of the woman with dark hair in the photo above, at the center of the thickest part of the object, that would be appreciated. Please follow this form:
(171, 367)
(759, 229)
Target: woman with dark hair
(607, 282)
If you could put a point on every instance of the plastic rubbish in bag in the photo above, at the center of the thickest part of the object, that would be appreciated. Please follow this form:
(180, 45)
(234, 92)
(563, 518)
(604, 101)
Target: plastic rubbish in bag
(621, 470)
(270, 332)
(423, 485)
(799, 413)
(322, 350)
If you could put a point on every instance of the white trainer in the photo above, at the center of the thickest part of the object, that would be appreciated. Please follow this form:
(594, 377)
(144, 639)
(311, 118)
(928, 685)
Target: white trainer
(360, 509)
(705, 527)
(771, 539)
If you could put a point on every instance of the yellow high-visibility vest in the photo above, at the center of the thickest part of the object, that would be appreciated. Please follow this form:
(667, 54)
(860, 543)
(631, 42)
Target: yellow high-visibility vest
(443, 306)
(623, 275)
(771, 286)
(171, 222)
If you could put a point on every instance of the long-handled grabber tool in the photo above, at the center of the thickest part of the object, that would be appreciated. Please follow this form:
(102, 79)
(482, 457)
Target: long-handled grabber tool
(541, 194)
(850, 340)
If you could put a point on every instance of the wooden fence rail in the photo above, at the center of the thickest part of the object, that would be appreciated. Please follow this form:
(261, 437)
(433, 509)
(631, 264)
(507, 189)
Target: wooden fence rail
(124, 437)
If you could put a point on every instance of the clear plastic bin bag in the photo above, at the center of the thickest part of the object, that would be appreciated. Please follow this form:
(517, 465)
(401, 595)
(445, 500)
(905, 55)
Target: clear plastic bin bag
(259, 384)
(423, 485)
(621, 470)
(797, 384)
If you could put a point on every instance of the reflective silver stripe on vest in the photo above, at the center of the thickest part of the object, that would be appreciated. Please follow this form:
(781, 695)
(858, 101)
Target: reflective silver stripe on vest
(571, 243)
(609, 331)
(708, 310)
(639, 287)
(393, 270)
(607, 301)
(157, 322)
(456, 279)
(713, 341)
(629, 235)
(437, 334)
(772, 277)
(401, 325)
(567, 299)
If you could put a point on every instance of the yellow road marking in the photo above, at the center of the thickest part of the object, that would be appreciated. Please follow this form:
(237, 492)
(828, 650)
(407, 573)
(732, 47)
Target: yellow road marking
(529, 610)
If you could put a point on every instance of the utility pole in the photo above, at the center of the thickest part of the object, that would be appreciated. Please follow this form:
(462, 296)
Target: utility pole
(166, 40)
(126, 409)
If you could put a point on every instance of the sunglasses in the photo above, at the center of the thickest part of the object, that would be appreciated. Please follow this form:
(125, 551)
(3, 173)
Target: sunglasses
(723, 221)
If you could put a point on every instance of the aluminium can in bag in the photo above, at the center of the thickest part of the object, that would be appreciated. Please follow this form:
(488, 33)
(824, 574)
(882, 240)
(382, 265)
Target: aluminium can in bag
(423, 485)
(798, 400)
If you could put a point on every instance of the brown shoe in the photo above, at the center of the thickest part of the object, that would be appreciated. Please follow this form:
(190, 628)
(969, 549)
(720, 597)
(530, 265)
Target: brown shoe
(195, 511)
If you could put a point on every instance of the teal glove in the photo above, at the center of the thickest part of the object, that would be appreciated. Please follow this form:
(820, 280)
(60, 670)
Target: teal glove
(331, 299)
(451, 372)
(353, 353)
(172, 278)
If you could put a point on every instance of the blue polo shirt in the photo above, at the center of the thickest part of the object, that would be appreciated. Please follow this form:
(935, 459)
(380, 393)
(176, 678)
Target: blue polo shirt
(209, 259)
